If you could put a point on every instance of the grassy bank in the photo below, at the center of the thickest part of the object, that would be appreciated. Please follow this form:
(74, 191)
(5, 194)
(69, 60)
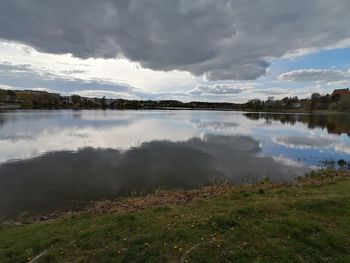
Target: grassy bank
(308, 221)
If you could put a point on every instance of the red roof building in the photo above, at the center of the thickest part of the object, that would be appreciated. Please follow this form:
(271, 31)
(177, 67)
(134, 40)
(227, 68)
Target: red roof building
(340, 92)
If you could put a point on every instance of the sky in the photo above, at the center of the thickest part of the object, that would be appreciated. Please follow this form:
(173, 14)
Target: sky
(222, 50)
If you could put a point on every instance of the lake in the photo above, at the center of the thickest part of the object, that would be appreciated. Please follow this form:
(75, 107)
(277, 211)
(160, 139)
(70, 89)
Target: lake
(53, 160)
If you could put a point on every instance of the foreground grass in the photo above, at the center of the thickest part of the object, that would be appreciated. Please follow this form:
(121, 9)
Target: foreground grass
(305, 222)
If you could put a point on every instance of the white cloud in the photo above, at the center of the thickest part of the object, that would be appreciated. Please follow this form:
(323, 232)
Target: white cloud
(319, 143)
(222, 89)
(317, 75)
(304, 142)
(105, 93)
(118, 71)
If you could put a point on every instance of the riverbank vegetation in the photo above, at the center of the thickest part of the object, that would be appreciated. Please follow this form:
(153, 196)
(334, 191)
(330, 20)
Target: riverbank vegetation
(306, 221)
(30, 99)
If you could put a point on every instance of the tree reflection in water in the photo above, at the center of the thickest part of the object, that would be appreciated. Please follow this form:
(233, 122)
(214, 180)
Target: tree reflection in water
(333, 123)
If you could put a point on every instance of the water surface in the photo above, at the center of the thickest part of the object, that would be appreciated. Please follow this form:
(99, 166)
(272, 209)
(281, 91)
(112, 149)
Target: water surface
(59, 159)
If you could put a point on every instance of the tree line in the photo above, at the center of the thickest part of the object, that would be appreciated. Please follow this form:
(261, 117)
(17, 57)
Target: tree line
(29, 99)
(315, 102)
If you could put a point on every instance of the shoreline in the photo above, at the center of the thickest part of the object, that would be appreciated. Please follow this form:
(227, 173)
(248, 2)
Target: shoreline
(185, 197)
(301, 221)
(6, 109)
(136, 203)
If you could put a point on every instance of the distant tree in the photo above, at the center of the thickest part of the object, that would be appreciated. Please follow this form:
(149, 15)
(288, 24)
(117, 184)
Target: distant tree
(44, 99)
(3, 95)
(333, 107)
(277, 105)
(344, 103)
(12, 95)
(255, 104)
(307, 104)
(286, 100)
(26, 100)
(315, 98)
(326, 99)
(76, 99)
(295, 99)
(103, 102)
(270, 99)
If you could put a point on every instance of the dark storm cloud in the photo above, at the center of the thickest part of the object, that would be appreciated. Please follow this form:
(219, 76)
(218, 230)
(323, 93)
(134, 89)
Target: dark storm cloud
(224, 39)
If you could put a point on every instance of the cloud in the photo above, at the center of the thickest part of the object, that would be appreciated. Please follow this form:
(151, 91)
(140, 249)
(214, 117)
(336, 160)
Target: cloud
(105, 93)
(26, 77)
(306, 75)
(215, 125)
(90, 174)
(223, 39)
(110, 70)
(272, 91)
(304, 142)
(222, 89)
(312, 143)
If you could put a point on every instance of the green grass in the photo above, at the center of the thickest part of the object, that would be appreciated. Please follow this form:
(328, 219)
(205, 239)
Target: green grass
(307, 222)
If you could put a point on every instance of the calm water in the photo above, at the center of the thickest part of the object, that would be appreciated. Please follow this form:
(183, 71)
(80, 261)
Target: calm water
(59, 159)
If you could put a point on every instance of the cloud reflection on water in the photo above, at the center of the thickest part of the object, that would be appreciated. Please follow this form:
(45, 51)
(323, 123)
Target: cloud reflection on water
(61, 179)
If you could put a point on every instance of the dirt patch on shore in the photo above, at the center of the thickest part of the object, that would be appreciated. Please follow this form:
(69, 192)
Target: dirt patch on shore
(162, 198)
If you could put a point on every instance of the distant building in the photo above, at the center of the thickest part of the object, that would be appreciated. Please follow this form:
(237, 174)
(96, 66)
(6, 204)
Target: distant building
(340, 92)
